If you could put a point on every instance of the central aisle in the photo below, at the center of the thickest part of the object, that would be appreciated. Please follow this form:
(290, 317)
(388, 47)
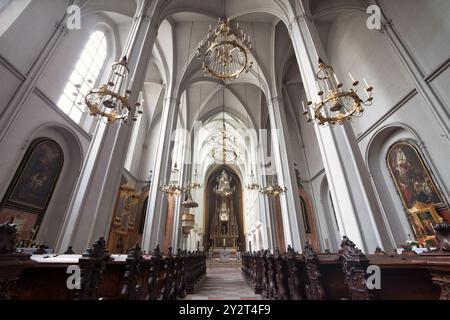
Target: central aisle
(223, 284)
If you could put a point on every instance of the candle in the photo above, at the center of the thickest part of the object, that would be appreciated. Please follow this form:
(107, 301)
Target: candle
(336, 79)
(365, 82)
(351, 77)
(305, 111)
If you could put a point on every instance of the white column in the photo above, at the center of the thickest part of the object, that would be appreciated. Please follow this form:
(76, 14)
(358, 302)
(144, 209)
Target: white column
(290, 202)
(352, 193)
(268, 234)
(92, 205)
(154, 225)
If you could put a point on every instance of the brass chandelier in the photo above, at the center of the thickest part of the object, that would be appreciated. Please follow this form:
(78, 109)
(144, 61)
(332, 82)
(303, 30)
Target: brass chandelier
(195, 183)
(173, 188)
(253, 185)
(224, 150)
(110, 101)
(224, 144)
(337, 104)
(223, 187)
(225, 51)
(273, 189)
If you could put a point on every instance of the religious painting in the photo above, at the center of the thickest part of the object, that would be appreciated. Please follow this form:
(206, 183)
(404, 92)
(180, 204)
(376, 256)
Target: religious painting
(30, 191)
(411, 177)
(33, 186)
(416, 189)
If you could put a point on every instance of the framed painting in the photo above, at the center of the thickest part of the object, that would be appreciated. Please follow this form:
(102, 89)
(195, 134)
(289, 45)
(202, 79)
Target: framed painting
(35, 180)
(412, 177)
(416, 188)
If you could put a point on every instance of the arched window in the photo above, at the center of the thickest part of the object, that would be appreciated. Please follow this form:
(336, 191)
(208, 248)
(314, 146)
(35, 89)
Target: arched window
(84, 76)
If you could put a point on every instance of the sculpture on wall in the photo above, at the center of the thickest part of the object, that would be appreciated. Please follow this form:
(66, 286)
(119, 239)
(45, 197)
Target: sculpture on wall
(416, 188)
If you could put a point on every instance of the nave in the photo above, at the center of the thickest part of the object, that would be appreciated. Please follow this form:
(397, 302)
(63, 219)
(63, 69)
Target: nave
(223, 283)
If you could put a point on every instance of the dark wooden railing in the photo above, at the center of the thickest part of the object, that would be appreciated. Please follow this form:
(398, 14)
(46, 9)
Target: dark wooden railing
(136, 277)
(346, 274)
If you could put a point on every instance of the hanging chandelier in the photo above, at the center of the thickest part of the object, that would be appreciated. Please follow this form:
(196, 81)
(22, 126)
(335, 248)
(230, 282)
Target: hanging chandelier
(224, 147)
(223, 187)
(225, 51)
(337, 104)
(252, 185)
(224, 143)
(195, 184)
(273, 189)
(110, 101)
(173, 188)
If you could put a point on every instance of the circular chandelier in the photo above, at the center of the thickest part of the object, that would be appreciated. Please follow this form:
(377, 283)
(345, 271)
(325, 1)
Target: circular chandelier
(195, 184)
(252, 185)
(224, 146)
(273, 190)
(337, 104)
(223, 187)
(110, 101)
(173, 188)
(225, 51)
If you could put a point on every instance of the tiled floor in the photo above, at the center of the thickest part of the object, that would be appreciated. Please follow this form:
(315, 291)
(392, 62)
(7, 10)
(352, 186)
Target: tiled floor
(223, 284)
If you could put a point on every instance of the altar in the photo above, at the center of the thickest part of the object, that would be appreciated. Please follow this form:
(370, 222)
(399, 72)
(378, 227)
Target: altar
(224, 233)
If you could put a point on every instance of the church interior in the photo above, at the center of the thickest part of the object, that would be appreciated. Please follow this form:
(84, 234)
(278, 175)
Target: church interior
(224, 150)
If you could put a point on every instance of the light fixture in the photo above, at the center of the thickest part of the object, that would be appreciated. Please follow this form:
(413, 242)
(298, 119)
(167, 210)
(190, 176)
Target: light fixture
(225, 51)
(173, 188)
(337, 104)
(273, 189)
(195, 184)
(188, 218)
(223, 187)
(224, 144)
(110, 101)
(252, 185)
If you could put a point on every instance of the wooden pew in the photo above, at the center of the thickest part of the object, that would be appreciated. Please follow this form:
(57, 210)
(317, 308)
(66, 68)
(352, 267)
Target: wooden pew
(132, 277)
(344, 276)
(12, 263)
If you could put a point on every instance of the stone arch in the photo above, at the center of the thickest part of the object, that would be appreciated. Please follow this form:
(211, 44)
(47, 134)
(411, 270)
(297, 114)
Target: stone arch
(70, 145)
(394, 221)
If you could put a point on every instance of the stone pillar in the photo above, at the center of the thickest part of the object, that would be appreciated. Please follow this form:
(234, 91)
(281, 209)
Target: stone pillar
(294, 234)
(268, 225)
(153, 230)
(92, 205)
(168, 231)
(351, 189)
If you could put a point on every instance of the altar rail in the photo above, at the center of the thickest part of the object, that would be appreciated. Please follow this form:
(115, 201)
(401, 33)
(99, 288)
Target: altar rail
(345, 275)
(131, 277)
